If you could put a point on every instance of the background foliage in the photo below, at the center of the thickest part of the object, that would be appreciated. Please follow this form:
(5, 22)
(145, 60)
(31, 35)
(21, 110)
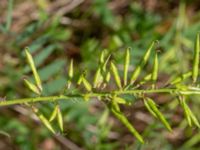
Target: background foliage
(56, 31)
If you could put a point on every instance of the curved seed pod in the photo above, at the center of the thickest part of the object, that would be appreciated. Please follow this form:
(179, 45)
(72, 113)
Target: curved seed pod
(158, 113)
(116, 111)
(54, 113)
(33, 68)
(71, 69)
(142, 63)
(155, 70)
(186, 111)
(116, 75)
(98, 79)
(181, 78)
(60, 119)
(32, 87)
(119, 100)
(149, 108)
(86, 84)
(195, 68)
(44, 120)
(105, 63)
(107, 77)
(126, 65)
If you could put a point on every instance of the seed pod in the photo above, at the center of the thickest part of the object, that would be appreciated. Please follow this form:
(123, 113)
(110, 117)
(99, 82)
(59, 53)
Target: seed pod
(86, 84)
(107, 77)
(102, 57)
(60, 119)
(126, 65)
(195, 68)
(155, 69)
(32, 87)
(105, 64)
(44, 120)
(149, 108)
(98, 79)
(146, 78)
(116, 111)
(119, 100)
(181, 78)
(186, 111)
(158, 113)
(33, 68)
(71, 69)
(54, 113)
(142, 63)
(116, 75)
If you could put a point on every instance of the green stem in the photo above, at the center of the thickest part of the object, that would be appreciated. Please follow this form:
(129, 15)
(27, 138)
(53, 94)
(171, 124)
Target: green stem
(100, 94)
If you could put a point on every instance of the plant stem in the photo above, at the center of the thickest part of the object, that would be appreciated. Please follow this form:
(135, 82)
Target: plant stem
(100, 94)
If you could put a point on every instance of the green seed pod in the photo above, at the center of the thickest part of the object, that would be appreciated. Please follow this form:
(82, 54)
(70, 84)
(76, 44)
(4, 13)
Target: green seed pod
(149, 108)
(142, 63)
(195, 68)
(107, 77)
(159, 115)
(32, 87)
(155, 70)
(44, 120)
(146, 78)
(105, 64)
(60, 119)
(116, 75)
(86, 84)
(98, 79)
(102, 56)
(186, 111)
(119, 100)
(54, 113)
(32, 65)
(116, 111)
(126, 65)
(181, 78)
(71, 69)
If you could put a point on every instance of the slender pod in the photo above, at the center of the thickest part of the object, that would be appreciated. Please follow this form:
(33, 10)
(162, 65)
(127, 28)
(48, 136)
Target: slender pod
(43, 119)
(60, 119)
(98, 78)
(181, 78)
(126, 65)
(86, 84)
(186, 110)
(71, 69)
(158, 113)
(146, 104)
(116, 111)
(32, 87)
(195, 68)
(155, 69)
(142, 63)
(33, 68)
(54, 113)
(116, 75)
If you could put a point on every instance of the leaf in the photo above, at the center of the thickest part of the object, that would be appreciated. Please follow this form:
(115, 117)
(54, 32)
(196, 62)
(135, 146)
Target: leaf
(32, 65)
(116, 75)
(143, 62)
(115, 110)
(126, 65)
(159, 115)
(32, 87)
(195, 67)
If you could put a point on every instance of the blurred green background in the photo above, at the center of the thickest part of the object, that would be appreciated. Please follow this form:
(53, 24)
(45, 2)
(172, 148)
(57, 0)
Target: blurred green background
(58, 30)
